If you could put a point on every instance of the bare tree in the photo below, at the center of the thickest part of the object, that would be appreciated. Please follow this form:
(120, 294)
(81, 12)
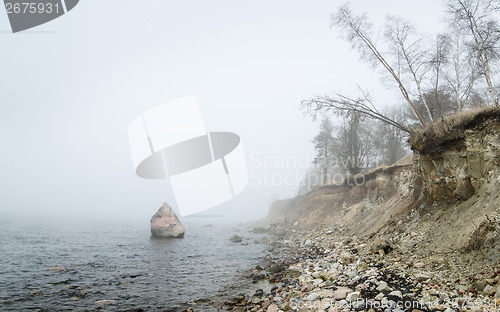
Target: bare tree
(476, 17)
(340, 105)
(390, 142)
(353, 144)
(407, 46)
(322, 144)
(440, 103)
(460, 71)
(357, 32)
(439, 59)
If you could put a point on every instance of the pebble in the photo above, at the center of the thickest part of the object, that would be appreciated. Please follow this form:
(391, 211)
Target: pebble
(353, 296)
(342, 272)
(312, 297)
(272, 308)
(327, 293)
(382, 286)
(396, 293)
(379, 296)
(258, 293)
(317, 282)
(341, 293)
(422, 278)
(266, 304)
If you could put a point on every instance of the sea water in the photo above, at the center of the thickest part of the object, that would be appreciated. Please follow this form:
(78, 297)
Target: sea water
(71, 265)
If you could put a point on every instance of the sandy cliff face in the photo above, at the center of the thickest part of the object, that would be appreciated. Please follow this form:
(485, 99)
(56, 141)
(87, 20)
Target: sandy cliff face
(356, 206)
(430, 202)
(459, 171)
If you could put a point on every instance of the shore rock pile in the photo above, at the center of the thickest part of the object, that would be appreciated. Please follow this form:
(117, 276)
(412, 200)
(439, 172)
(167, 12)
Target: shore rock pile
(321, 272)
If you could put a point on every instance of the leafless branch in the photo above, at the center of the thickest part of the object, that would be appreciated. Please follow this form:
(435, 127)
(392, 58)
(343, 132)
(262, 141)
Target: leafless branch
(340, 104)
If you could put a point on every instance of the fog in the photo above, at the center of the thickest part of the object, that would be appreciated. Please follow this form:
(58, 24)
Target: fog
(71, 87)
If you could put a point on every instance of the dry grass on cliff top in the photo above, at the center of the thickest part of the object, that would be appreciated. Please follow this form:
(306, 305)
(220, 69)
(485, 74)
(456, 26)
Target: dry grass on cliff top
(430, 139)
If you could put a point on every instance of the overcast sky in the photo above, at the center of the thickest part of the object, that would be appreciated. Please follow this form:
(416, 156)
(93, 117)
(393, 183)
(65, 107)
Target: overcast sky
(71, 87)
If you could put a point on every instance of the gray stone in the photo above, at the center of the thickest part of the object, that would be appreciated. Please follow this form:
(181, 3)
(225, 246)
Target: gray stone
(165, 223)
(341, 293)
(379, 297)
(346, 258)
(236, 239)
(461, 287)
(382, 286)
(396, 293)
(380, 243)
(391, 304)
(421, 278)
(352, 296)
(312, 297)
(464, 189)
(327, 293)
(494, 256)
(488, 290)
(272, 308)
(275, 268)
(479, 285)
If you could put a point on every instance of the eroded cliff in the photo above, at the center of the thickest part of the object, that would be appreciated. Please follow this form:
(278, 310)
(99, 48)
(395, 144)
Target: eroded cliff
(442, 199)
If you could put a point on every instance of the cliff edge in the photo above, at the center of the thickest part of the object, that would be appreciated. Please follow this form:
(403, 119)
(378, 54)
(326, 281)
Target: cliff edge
(442, 200)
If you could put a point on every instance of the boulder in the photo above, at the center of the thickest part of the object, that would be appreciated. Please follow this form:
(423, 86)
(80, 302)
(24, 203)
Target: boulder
(380, 243)
(236, 239)
(276, 268)
(464, 189)
(165, 223)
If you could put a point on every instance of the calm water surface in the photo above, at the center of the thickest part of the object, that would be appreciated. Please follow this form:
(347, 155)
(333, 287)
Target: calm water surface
(116, 261)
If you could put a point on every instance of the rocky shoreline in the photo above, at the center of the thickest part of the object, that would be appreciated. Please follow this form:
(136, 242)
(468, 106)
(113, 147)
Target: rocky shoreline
(319, 270)
(420, 235)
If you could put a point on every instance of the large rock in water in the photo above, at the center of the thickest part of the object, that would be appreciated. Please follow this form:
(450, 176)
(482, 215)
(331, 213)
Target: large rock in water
(165, 223)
